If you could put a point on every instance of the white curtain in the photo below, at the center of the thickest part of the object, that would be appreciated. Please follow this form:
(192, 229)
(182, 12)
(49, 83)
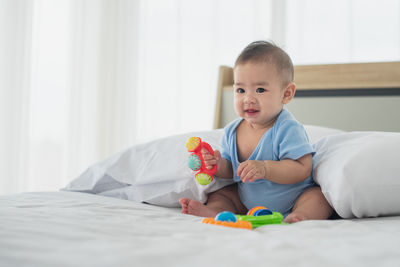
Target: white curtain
(342, 31)
(15, 34)
(82, 79)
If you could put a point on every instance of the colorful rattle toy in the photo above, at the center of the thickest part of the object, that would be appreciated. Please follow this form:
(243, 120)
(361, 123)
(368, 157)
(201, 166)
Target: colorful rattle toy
(194, 145)
(256, 217)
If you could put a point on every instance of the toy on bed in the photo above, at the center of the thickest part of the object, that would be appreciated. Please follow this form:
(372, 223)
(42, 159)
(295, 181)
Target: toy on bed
(256, 217)
(194, 145)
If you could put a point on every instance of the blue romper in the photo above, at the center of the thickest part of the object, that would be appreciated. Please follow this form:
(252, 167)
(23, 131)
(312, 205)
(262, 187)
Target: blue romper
(286, 139)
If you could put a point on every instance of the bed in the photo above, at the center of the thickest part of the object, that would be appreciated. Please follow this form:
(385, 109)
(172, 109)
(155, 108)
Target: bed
(118, 213)
(351, 97)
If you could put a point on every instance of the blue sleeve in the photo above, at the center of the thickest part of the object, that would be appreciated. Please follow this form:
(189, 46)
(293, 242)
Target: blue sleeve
(225, 147)
(292, 141)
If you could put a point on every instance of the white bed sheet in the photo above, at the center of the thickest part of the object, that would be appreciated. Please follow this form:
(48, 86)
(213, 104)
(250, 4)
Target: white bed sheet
(78, 229)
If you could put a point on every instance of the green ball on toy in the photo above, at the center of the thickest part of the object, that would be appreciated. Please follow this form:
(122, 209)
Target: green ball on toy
(194, 162)
(203, 178)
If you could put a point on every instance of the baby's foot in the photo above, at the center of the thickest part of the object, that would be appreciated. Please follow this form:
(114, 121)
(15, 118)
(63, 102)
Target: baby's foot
(295, 217)
(194, 207)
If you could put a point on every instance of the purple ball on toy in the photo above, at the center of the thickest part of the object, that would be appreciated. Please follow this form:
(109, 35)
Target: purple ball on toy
(261, 212)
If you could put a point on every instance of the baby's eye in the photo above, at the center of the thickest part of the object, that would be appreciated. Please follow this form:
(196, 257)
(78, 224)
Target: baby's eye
(240, 90)
(260, 90)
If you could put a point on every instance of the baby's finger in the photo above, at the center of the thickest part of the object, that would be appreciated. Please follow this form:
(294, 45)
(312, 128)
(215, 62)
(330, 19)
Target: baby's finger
(217, 155)
(252, 178)
(204, 152)
(249, 177)
(210, 163)
(244, 176)
(208, 157)
(240, 169)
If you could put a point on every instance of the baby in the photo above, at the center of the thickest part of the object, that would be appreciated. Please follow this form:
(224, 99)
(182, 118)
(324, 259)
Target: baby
(266, 151)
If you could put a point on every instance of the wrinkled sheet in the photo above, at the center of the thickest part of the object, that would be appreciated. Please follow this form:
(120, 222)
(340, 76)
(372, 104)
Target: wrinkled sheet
(78, 229)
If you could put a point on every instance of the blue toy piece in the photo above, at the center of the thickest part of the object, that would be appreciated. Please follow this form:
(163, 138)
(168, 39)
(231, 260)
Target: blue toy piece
(225, 216)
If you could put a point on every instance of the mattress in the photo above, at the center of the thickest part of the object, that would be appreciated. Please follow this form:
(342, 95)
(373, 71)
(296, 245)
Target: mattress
(79, 229)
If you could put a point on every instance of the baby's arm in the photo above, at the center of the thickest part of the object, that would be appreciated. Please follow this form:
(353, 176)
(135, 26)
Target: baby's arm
(224, 169)
(286, 171)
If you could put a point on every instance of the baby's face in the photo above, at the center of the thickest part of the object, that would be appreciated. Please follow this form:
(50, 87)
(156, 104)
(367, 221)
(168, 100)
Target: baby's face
(258, 93)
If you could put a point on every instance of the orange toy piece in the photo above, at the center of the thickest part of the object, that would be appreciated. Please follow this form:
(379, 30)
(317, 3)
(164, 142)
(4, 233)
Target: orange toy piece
(237, 224)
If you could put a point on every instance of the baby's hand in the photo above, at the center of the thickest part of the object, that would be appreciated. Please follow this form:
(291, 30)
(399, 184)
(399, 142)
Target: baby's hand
(210, 160)
(252, 170)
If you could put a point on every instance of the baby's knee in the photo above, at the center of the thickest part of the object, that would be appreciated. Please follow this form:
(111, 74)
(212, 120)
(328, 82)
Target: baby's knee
(229, 197)
(313, 192)
(221, 194)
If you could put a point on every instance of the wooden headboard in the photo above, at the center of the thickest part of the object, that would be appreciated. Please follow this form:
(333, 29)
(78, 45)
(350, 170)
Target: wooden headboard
(351, 97)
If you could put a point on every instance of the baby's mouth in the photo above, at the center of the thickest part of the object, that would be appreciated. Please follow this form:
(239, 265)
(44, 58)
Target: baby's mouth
(251, 111)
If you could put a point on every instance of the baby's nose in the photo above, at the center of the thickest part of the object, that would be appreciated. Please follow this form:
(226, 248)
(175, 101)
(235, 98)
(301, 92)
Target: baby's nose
(249, 99)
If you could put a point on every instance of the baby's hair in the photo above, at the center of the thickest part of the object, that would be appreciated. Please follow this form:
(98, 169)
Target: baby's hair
(268, 52)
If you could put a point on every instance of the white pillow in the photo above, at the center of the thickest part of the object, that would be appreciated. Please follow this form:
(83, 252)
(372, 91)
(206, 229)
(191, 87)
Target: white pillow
(155, 172)
(317, 132)
(359, 173)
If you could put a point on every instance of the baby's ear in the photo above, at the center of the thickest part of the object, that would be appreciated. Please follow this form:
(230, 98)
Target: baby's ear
(289, 92)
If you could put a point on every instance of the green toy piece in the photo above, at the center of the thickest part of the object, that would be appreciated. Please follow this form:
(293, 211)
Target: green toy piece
(257, 221)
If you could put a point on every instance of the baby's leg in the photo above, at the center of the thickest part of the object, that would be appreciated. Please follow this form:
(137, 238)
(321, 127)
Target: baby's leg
(224, 199)
(311, 205)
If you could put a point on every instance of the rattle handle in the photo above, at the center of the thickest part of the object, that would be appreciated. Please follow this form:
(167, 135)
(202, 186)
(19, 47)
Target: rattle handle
(208, 147)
